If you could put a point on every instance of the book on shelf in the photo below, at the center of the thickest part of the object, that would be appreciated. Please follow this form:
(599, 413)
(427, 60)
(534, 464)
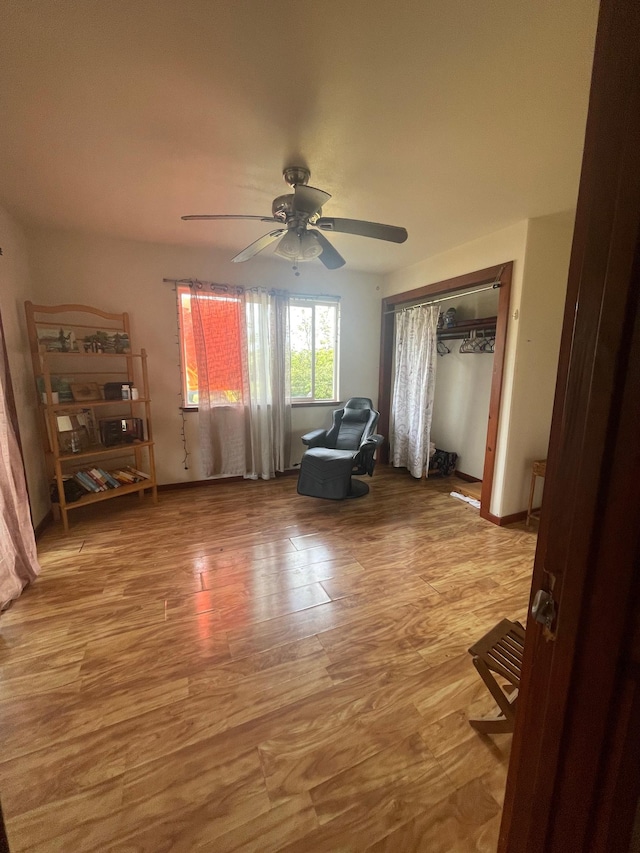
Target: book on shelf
(124, 478)
(101, 486)
(99, 480)
(111, 480)
(139, 473)
(98, 473)
(85, 481)
(128, 475)
(106, 478)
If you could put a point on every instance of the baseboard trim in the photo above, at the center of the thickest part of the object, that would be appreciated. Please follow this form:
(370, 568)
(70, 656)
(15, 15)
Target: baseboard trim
(467, 477)
(217, 481)
(194, 484)
(46, 522)
(504, 520)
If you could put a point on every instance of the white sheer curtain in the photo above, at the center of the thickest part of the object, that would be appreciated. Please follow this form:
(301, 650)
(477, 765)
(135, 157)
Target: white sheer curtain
(280, 379)
(18, 557)
(267, 397)
(242, 352)
(413, 387)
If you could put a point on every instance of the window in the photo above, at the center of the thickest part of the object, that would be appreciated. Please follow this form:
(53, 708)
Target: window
(314, 350)
(313, 347)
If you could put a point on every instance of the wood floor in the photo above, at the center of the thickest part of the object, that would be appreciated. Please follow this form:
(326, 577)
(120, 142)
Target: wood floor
(243, 669)
(471, 490)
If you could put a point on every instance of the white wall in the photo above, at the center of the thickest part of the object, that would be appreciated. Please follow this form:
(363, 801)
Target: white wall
(463, 388)
(540, 249)
(540, 325)
(121, 275)
(15, 288)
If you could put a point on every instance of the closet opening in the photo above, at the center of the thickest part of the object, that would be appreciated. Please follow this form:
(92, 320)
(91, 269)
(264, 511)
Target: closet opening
(470, 362)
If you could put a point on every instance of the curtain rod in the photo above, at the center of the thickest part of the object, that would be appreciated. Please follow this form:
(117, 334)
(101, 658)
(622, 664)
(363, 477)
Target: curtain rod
(494, 286)
(192, 281)
(314, 297)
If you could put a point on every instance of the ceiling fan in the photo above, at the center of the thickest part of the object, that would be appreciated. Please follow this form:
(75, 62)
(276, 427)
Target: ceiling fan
(295, 212)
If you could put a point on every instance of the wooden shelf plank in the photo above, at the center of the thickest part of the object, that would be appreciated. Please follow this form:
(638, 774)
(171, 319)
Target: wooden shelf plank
(96, 497)
(78, 354)
(101, 450)
(88, 404)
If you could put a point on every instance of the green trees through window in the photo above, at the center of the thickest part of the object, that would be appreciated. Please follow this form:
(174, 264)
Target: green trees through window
(314, 338)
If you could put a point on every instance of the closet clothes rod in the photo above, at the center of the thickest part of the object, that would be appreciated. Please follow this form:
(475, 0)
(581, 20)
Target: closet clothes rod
(494, 286)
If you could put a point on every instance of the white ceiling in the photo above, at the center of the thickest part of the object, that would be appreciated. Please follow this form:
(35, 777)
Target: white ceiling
(453, 118)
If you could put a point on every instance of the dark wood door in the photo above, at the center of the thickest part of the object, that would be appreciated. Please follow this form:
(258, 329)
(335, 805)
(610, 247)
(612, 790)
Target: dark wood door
(574, 776)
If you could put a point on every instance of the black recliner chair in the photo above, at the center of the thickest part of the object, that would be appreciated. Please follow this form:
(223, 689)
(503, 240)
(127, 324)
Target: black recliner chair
(334, 455)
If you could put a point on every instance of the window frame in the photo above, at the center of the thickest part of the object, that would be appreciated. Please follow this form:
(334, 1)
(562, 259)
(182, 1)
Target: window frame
(296, 300)
(301, 301)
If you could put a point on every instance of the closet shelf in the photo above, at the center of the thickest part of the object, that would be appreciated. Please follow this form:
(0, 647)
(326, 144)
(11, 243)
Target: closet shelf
(461, 330)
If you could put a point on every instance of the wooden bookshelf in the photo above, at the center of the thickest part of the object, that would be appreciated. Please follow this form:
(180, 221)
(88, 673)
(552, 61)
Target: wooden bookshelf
(79, 348)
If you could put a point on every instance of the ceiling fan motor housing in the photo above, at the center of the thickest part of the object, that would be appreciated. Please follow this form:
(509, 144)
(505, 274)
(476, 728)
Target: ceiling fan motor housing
(282, 209)
(295, 175)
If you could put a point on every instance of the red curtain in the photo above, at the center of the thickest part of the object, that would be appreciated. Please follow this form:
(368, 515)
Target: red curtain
(219, 326)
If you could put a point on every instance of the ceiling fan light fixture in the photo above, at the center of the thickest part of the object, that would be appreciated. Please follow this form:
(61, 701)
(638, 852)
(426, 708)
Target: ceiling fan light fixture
(298, 247)
(289, 246)
(311, 249)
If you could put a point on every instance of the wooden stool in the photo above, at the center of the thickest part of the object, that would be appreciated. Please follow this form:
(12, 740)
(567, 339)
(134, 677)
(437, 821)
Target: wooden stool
(500, 651)
(538, 469)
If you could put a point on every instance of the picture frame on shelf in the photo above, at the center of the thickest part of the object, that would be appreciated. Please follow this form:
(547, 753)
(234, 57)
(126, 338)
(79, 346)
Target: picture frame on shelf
(111, 341)
(58, 340)
(76, 431)
(85, 391)
(59, 385)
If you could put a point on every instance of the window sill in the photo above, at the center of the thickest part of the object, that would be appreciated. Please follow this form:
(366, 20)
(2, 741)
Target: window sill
(314, 404)
(297, 405)
(226, 406)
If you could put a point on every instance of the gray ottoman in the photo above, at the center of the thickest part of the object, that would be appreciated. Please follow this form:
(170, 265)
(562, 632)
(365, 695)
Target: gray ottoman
(326, 473)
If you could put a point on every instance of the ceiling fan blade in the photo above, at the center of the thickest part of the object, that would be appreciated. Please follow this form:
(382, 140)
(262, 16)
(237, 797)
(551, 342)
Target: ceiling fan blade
(308, 200)
(228, 216)
(392, 233)
(330, 257)
(258, 245)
